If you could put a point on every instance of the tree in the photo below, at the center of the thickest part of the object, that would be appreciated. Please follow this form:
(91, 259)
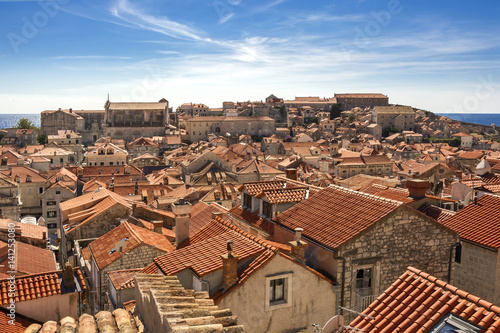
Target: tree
(335, 111)
(42, 139)
(352, 117)
(25, 123)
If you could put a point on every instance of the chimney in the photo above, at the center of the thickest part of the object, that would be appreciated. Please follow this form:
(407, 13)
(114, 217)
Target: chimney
(44, 235)
(112, 184)
(298, 247)
(229, 267)
(136, 188)
(68, 276)
(417, 188)
(291, 174)
(216, 214)
(157, 227)
(182, 212)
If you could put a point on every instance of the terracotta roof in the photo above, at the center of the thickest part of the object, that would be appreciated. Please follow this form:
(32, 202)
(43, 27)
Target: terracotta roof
(478, 222)
(471, 155)
(120, 278)
(392, 193)
(23, 172)
(417, 301)
(435, 212)
(253, 219)
(285, 195)
(335, 214)
(103, 249)
(36, 286)
(27, 230)
(205, 256)
(29, 259)
(201, 215)
(20, 324)
(254, 188)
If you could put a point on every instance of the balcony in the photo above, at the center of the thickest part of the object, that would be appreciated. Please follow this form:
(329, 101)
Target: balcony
(361, 302)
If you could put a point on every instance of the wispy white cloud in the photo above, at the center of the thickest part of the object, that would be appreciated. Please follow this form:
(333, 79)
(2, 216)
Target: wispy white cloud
(268, 6)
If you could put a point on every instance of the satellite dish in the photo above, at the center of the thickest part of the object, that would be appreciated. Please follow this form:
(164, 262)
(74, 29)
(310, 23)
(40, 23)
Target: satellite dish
(120, 245)
(469, 198)
(333, 324)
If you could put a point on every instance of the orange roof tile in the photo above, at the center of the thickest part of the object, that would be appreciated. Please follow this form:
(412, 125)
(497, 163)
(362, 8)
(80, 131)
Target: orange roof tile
(335, 214)
(119, 278)
(20, 324)
(437, 213)
(29, 259)
(478, 222)
(103, 249)
(252, 218)
(36, 286)
(417, 301)
(284, 195)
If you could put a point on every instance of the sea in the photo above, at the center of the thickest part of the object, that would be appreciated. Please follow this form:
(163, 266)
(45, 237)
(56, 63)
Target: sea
(10, 120)
(476, 118)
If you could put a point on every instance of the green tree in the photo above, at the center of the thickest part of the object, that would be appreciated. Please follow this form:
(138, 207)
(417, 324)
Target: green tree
(42, 139)
(352, 117)
(335, 111)
(25, 123)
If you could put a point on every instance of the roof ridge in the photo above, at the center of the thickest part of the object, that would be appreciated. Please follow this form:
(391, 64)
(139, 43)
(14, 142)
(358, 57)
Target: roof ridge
(129, 227)
(251, 237)
(367, 195)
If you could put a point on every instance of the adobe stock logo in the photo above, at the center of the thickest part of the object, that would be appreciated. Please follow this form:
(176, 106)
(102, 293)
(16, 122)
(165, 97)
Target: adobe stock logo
(32, 25)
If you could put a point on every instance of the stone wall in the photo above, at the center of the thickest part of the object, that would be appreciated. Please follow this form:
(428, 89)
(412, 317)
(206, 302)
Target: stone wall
(477, 272)
(403, 238)
(139, 257)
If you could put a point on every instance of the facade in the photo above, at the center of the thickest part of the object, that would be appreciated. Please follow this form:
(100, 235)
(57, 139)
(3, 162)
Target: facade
(374, 165)
(68, 140)
(365, 241)
(106, 155)
(198, 128)
(129, 121)
(142, 146)
(349, 101)
(31, 186)
(88, 123)
(398, 116)
(477, 268)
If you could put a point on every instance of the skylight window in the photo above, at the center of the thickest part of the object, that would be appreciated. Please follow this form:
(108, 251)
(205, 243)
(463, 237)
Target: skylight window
(454, 324)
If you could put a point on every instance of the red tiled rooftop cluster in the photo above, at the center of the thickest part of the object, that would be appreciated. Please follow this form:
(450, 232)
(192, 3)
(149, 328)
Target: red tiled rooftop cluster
(417, 301)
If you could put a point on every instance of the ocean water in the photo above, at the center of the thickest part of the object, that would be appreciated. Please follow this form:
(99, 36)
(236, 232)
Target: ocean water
(10, 120)
(476, 118)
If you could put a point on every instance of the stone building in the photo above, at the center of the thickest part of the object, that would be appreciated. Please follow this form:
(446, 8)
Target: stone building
(398, 116)
(88, 123)
(364, 241)
(129, 121)
(126, 246)
(105, 155)
(373, 165)
(476, 260)
(349, 101)
(198, 128)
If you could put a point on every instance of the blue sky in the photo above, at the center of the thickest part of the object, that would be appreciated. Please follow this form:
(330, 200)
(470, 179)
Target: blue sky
(442, 56)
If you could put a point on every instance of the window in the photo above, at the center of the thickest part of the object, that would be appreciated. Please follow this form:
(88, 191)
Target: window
(102, 163)
(279, 290)
(51, 203)
(51, 214)
(61, 160)
(364, 278)
(51, 225)
(267, 209)
(247, 200)
(453, 323)
(40, 190)
(58, 192)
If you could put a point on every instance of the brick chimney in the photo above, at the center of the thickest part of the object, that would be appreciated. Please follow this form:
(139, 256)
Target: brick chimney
(157, 227)
(298, 247)
(417, 188)
(291, 174)
(136, 188)
(182, 212)
(216, 214)
(229, 267)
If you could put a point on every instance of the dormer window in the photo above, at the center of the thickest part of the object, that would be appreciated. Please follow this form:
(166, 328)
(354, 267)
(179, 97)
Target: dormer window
(17, 179)
(28, 179)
